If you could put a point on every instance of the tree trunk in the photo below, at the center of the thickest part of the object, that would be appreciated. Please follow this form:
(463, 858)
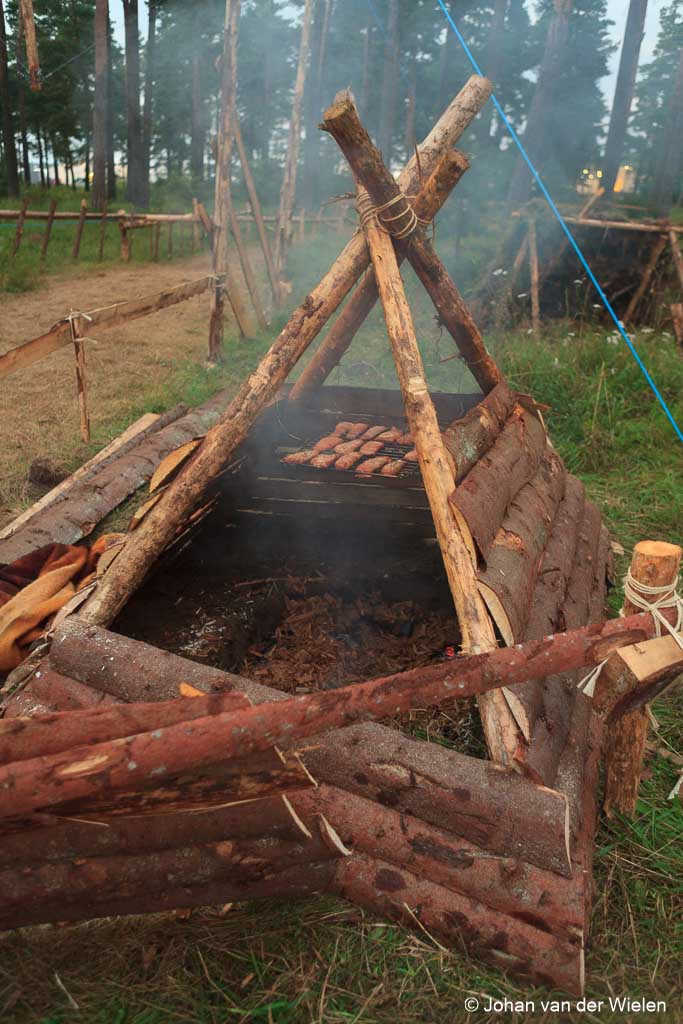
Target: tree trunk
(55, 162)
(669, 165)
(387, 117)
(223, 208)
(150, 67)
(543, 102)
(134, 184)
(8, 143)
(21, 103)
(101, 104)
(40, 155)
(197, 135)
(623, 93)
(87, 161)
(26, 7)
(111, 169)
(288, 191)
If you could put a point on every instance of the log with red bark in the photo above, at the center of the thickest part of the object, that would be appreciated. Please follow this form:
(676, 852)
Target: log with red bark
(510, 886)
(506, 942)
(483, 497)
(635, 675)
(144, 546)
(507, 582)
(342, 121)
(48, 691)
(469, 438)
(430, 197)
(293, 882)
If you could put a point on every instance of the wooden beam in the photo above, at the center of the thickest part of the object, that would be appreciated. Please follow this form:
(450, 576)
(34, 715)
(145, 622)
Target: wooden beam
(635, 675)
(625, 225)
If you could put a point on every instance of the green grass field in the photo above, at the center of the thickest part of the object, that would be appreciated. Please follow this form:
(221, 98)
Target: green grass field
(323, 960)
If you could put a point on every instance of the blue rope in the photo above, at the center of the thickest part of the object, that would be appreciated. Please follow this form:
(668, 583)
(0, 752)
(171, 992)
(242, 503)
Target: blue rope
(563, 224)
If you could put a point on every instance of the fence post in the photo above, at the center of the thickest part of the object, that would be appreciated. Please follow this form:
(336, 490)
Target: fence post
(79, 352)
(20, 226)
(79, 229)
(169, 248)
(103, 231)
(48, 229)
(125, 242)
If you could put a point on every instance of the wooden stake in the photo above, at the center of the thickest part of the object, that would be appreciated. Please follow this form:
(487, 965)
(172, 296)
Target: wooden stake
(79, 230)
(677, 257)
(169, 242)
(20, 226)
(255, 205)
(103, 233)
(48, 229)
(654, 564)
(157, 240)
(288, 192)
(79, 351)
(228, 287)
(125, 243)
(533, 271)
(677, 321)
(655, 253)
(195, 226)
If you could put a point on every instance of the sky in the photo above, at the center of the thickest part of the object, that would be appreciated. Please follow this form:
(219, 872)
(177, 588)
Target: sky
(617, 11)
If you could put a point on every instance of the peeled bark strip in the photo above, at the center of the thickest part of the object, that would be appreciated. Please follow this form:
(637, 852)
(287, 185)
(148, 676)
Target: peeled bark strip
(483, 496)
(47, 838)
(469, 438)
(343, 123)
(542, 899)
(514, 557)
(430, 198)
(476, 799)
(655, 564)
(291, 883)
(506, 943)
(635, 675)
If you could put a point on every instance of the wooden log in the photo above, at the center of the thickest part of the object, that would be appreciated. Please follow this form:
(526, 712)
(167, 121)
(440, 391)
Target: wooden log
(468, 439)
(91, 499)
(507, 582)
(677, 257)
(106, 316)
(533, 273)
(47, 838)
(255, 204)
(227, 287)
(247, 269)
(507, 943)
(484, 495)
(470, 797)
(48, 229)
(214, 885)
(512, 887)
(81, 389)
(47, 691)
(475, 627)
(677, 321)
(625, 225)
(23, 738)
(635, 675)
(343, 123)
(79, 230)
(18, 235)
(655, 253)
(288, 190)
(654, 564)
(550, 266)
(125, 243)
(431, 195)
(29, 28)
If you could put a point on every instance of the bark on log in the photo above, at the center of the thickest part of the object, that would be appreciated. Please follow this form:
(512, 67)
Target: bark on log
(429, 199)
(92, 498)
(635, 675)
(45, 838)
(624, 225)
(292, 883)
(484, 495)
(475, 627)
(513, 561)
(512, 887)
(343, 123)
(48, 691)
(506, 943)
(468, 439)
(469, 797)
(655, 564)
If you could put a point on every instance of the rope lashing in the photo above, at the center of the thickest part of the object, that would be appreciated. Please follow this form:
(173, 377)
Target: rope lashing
(648, 599)
(73, 318)
(367, 211)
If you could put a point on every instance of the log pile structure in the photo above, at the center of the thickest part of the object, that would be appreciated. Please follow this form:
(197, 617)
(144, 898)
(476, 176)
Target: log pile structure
(133, 780)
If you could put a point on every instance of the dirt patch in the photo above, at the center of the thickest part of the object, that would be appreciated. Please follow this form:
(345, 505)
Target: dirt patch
(125, 365)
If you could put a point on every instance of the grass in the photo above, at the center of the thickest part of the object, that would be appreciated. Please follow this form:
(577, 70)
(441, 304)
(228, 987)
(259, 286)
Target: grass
(322, 960)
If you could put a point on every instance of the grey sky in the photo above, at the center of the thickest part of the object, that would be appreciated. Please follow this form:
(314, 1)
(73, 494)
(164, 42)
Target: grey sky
(616, 9)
